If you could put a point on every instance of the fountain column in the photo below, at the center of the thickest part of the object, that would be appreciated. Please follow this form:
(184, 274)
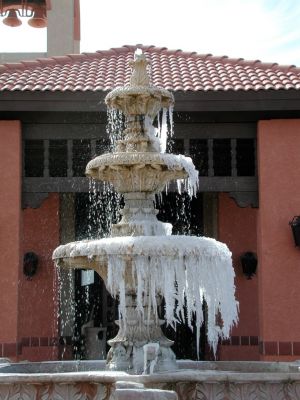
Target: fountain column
(127, 348)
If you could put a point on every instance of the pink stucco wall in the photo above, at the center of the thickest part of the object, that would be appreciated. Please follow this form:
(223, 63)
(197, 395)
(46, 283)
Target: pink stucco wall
(237, 228)
(38, 318)
(279, 201)
(28, 328)
(10, 228)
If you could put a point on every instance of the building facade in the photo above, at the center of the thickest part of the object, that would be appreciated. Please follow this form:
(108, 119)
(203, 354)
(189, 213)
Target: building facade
(239, 121)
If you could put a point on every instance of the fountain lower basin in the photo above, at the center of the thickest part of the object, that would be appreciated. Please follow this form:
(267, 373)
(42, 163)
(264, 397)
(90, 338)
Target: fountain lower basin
(192, 380)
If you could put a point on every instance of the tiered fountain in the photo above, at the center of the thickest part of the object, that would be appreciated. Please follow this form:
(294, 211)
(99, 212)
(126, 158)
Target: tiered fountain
(142, 262)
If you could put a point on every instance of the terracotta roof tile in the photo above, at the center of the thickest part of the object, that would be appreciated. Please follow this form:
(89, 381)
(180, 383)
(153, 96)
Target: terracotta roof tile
(173, 69)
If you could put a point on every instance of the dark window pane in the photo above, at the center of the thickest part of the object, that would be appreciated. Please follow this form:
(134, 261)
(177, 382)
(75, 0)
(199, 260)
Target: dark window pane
(199, 154)
(102, 146)
(81, 156)
(245, 157)
(222, 157)
(184, 213)
(34, 158)
(175, 146)
(58, 158)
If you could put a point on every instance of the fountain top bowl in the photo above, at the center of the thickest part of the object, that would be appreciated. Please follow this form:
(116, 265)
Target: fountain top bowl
(139, 97)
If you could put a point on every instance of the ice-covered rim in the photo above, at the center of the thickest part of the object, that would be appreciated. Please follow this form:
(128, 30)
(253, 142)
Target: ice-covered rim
(125, 91)
(137, 158)
(185, 269)
(173, 245)
(171, 161)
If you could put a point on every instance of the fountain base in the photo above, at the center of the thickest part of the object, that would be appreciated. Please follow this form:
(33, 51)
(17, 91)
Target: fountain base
(193, 380)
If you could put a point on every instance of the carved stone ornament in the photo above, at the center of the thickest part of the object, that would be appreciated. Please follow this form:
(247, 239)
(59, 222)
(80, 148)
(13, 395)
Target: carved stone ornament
(193, 381)
(59, 391)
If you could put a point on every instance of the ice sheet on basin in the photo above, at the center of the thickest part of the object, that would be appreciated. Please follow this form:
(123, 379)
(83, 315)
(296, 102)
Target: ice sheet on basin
(175, 245)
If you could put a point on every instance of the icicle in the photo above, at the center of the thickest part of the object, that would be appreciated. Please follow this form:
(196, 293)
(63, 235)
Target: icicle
(164, 131)
(171, 108)
(116, 282)
(191, 183)
(140, 269)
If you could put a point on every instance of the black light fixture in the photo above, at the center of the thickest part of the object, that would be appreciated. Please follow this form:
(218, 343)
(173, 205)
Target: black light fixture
(30, 264)
(295, 225)
(249, 264)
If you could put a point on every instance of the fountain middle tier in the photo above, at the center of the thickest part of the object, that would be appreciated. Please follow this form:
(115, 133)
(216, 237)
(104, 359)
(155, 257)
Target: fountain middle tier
(143, 171)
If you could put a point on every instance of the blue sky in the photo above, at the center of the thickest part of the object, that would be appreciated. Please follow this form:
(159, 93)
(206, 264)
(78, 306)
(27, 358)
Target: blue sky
(268, 30)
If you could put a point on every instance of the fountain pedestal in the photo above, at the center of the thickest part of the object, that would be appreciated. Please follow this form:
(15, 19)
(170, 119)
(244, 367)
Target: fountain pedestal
(127, 348)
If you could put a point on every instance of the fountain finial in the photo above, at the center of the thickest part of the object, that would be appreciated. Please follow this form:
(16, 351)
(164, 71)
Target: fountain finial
(139, 97)
(139, 65)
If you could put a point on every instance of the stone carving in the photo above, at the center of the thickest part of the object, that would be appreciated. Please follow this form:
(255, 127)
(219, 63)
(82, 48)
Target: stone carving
(292, 390)
(62, 392)
(239, 391)
(79, 391)
(18, 392)
(186, 390)
(194, 381)
(242, 391)
(206, 391)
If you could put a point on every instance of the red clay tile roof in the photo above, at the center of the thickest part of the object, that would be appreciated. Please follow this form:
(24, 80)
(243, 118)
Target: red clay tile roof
(172, 69)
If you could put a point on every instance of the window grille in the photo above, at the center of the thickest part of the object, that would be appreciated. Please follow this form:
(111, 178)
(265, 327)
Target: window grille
(212, 157)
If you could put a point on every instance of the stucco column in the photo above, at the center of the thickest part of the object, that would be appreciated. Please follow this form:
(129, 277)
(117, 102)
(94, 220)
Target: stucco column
(278, 259)
(10, 228)
(237, 228)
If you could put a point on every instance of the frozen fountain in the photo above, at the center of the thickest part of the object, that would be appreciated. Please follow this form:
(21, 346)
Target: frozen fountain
(141, 264)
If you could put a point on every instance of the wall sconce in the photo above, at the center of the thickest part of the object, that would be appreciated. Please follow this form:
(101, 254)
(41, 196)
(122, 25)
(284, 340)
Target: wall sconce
(30, 264)
(295, 225)
(249, 264)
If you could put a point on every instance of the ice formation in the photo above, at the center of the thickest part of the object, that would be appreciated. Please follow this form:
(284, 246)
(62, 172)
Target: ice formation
(186, 270)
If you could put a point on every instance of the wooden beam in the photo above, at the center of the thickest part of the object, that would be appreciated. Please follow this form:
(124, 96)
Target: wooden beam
(81, 184)
(219, 101)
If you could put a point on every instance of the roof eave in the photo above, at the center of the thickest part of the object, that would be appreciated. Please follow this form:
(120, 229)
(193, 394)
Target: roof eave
(190, 101)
